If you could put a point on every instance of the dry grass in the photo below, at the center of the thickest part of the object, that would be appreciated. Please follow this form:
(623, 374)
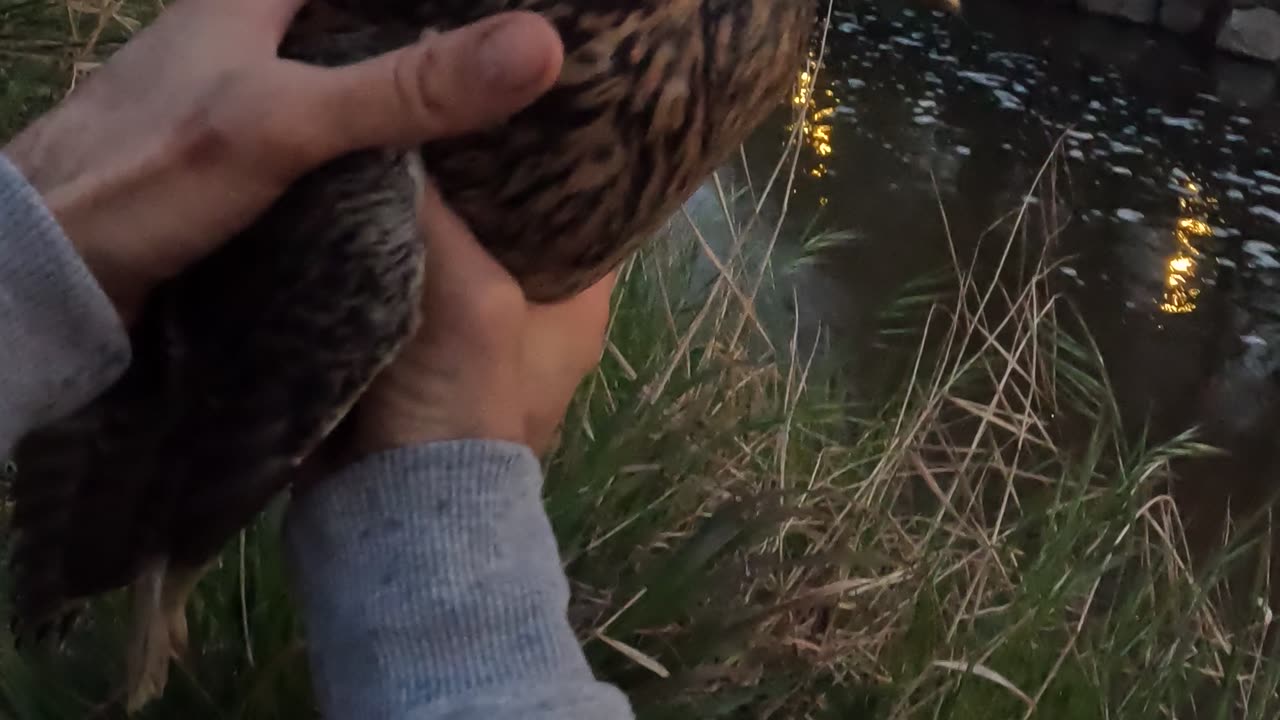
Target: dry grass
(46, 46)
(987, 543)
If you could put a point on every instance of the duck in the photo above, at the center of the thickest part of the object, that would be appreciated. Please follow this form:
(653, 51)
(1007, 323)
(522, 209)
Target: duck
(247, 363)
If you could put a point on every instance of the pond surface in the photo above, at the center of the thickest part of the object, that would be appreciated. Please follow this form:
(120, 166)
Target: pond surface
(1169, 192)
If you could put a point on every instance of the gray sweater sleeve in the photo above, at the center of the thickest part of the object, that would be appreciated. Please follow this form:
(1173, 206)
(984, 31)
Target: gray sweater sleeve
(429, 576)
(432, 589)
(61, 341)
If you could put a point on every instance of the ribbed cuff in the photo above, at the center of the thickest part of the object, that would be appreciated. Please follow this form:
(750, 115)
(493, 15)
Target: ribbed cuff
(432, 587)
(61, 341)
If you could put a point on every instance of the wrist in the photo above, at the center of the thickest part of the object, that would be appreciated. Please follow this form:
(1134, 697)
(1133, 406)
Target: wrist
(64, 342)
(414, 427)
(422, 399)
(74, 205)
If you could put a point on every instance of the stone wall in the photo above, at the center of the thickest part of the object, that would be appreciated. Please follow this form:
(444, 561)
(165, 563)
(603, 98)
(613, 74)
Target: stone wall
(1249, 28)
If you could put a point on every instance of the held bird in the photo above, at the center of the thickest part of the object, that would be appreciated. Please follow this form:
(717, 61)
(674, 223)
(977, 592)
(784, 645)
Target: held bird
(247, 362)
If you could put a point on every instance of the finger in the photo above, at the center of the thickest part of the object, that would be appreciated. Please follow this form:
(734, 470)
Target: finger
(571, 334)
(592, 306)
(450, 243)
(444, 85)
(604, 286)
(587, 312)
(460, 272)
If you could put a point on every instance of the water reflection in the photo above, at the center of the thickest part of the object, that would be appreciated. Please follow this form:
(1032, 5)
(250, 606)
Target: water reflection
(1170, 206)
(1168, 181)
(1182, 284)
(1179, 296)
(817, 129)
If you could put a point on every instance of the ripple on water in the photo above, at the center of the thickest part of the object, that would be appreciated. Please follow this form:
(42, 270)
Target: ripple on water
(938, 107)
(990, 80)
(1265, 213)
(1182, 123)
(1261, 255)
(1007, 100)
(1230, 176)
(1120, 148)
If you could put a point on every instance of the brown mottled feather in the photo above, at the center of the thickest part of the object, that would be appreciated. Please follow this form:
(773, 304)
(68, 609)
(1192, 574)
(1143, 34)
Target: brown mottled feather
(248, 361)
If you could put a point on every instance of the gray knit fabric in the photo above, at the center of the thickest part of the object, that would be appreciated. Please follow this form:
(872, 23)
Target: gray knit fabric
(454, 603)
(429, 576)
(61, 342)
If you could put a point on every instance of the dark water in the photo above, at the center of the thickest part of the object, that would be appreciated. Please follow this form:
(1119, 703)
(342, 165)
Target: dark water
(1169, 194)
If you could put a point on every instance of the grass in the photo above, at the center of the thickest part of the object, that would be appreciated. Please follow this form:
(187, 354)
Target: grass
(46, 46)
(748, 537)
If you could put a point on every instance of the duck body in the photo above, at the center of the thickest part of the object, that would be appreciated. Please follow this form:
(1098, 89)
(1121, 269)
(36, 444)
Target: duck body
(245, 364)
(653, 96)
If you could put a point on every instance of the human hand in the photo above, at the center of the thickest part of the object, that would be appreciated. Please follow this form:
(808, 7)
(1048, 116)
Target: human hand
(196, 126)
(486, 363)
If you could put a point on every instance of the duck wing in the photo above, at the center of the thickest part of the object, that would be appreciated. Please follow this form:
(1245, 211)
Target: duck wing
(243, 366)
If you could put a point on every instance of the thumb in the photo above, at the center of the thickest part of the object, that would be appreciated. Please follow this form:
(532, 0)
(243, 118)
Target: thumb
(460, 271)
(444, 85)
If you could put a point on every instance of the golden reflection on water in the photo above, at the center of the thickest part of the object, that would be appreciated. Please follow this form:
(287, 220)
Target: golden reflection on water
(1180, 292)
(1182, 283)
(817, 125)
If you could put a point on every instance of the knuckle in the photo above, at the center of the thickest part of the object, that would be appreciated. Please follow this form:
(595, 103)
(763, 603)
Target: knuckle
(202, 137)
(418, 82)
(201, 145)
(228, 121)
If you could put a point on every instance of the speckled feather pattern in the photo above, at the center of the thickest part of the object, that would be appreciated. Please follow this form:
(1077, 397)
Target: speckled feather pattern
(245, 364)
(240, 367)
(653, 96)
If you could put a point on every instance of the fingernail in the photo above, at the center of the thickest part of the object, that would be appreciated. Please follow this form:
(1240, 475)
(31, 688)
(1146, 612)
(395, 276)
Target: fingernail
(513, 54)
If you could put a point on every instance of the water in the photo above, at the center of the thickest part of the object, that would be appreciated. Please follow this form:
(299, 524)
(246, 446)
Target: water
(1171, 199)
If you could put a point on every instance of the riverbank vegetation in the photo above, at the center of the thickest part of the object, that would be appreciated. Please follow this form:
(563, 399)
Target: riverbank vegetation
(752, 530)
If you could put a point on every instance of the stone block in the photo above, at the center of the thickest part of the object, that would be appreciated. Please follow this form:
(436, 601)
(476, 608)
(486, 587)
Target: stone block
(1182, 16)
(1138, 11)
(1245, 82)
(1253, 33)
